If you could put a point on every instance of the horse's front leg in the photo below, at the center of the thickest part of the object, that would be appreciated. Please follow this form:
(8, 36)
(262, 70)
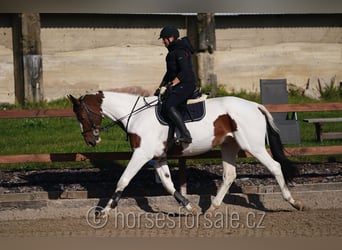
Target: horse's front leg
(163, 171)
(139, 158)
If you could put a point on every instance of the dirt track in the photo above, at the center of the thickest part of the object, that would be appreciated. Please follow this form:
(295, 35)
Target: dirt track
(236, 221)
(160, 217)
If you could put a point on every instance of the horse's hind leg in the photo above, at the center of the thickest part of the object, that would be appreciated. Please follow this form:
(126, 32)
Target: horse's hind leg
(163, 171)
(275, 168)
(164, 174)
(229, 151)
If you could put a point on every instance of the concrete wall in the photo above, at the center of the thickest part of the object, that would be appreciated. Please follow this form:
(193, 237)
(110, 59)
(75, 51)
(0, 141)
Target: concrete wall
(245, 55)
(89, 52)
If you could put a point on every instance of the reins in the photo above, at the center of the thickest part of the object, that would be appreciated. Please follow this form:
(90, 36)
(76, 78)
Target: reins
(130, 115)
(133, 111)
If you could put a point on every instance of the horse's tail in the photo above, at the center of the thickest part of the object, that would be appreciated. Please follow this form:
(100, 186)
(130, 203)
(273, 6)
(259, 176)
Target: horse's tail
(288, 169)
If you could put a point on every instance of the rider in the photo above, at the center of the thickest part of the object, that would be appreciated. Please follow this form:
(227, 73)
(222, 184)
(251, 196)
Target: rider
(179, 78)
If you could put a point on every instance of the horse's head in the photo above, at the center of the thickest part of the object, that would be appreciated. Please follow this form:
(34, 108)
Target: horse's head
(89, 114)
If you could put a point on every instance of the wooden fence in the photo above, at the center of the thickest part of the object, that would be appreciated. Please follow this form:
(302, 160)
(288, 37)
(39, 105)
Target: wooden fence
(61, 157)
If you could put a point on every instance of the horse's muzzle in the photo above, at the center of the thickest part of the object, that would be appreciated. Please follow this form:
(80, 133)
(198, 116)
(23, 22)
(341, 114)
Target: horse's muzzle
(95, 140)
(91, 143)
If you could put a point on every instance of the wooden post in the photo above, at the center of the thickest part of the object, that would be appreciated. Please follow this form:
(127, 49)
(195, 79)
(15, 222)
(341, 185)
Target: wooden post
(182, 176)
(201, 32)
(27, 57)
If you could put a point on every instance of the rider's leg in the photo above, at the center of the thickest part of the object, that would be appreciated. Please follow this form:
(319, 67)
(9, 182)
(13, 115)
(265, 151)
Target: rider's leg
(177, 120)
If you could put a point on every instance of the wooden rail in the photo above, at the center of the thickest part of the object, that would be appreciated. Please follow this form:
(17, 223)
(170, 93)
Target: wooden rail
(65, 157)
(41, 113)
(44, 113)
(304, 107)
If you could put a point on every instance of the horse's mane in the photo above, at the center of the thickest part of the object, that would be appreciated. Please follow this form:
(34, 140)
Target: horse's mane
(135, 90)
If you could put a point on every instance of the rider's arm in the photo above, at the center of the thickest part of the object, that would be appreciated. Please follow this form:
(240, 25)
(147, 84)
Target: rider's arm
(183, 65)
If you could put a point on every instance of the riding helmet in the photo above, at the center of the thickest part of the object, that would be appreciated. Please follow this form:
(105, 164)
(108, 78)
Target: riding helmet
(169, 31)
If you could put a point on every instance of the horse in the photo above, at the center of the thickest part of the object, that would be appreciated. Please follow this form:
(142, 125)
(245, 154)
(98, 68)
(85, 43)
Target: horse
(230, 122)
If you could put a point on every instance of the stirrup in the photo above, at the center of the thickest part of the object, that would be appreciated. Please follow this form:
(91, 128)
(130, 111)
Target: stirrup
(179, 140)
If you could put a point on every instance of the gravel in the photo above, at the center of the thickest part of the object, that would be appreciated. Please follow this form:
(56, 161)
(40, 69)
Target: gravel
(201, 179)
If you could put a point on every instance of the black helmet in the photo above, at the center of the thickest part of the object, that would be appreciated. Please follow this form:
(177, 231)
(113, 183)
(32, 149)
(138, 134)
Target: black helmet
(169, 31)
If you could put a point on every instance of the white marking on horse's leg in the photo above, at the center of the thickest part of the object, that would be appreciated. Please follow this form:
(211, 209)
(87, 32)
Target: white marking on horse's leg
(275, 168)
(107, 208)
(228, 151)
(165, 176)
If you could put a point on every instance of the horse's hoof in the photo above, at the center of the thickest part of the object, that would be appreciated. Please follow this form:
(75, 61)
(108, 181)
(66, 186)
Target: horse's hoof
(193, 209)
(97, 217)
(211, 209)
(101, 214)
(299, 205)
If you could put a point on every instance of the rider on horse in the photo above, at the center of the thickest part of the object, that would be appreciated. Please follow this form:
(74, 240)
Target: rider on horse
(179, 79)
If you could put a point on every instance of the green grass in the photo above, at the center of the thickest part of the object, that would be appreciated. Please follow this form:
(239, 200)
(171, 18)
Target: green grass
(57, 135)
(53, 135)
(62, 135)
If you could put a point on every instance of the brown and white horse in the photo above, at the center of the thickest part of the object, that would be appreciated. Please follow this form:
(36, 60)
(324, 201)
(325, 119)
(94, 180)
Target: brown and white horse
(230, 122)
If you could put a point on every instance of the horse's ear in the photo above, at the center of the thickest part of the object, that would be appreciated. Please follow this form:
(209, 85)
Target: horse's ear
(73, 100)
(99, 96)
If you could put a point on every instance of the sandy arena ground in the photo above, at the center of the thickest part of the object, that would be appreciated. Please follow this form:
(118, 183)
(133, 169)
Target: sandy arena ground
(228, 221)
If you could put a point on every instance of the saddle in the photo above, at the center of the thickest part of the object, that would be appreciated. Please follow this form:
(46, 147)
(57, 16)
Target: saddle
(193, 110)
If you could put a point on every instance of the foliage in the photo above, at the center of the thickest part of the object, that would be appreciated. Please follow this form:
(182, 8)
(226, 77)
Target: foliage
(62, 103)
(330, 91)
(221, 91)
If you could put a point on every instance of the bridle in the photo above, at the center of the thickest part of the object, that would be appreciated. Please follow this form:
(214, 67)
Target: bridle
(95, 129)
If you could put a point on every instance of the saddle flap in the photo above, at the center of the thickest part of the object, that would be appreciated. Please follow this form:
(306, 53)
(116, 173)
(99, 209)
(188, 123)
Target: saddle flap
(191, 112)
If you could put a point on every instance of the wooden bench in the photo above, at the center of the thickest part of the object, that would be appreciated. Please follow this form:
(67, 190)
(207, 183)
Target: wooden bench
(319, 122)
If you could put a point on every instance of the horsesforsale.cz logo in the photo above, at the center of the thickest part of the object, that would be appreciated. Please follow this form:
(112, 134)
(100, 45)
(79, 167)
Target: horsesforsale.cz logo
(95, 218)
(134, 220)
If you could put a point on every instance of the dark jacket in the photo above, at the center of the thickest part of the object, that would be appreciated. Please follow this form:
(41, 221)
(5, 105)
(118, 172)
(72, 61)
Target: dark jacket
(179, 63)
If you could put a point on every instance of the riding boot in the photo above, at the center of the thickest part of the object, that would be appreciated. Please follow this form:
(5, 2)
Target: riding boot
(170, 140)
(177, 119)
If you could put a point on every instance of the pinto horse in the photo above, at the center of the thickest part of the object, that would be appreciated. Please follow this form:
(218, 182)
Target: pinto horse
(230, 122)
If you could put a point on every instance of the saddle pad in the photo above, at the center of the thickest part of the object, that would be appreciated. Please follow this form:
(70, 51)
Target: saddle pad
(192, 112)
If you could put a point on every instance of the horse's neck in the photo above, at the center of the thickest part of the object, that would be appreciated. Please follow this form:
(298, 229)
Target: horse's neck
(119, 105)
